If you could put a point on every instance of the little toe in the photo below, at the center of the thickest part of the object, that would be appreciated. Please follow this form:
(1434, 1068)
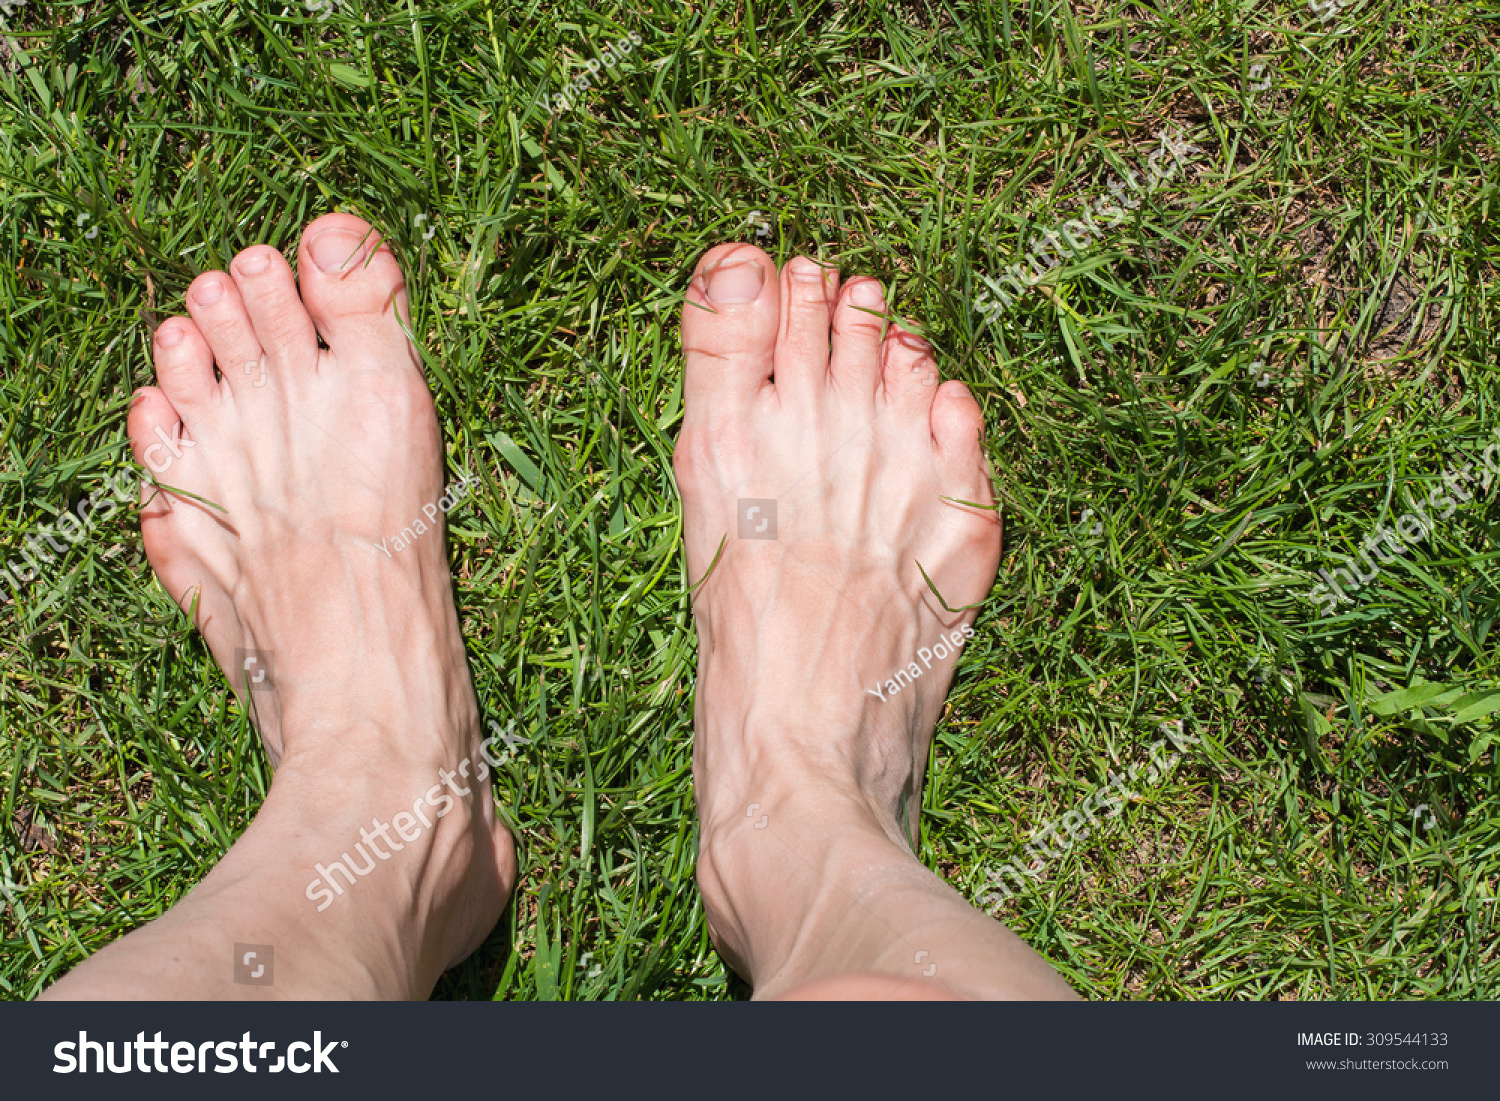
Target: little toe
(269, 291)
(910, 369)
(958, 437)
(219, 315)
(152, 420)
(184, 365)
(963, 543)
(808, 292)
(859, 323)
(729, 320)
(355, 291)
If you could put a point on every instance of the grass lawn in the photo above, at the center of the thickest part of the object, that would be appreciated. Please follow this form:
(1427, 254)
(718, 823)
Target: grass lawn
(1264, 361)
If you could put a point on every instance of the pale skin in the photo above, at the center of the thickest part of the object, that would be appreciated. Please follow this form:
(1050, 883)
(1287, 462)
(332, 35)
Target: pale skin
(798, 389)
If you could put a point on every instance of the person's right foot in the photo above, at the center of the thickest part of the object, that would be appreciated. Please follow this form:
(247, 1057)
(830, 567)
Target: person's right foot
(854, 458)
(308, 540)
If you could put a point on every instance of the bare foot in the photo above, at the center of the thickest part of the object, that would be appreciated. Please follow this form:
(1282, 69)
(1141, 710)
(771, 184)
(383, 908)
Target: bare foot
(304, 531)
(828, 470)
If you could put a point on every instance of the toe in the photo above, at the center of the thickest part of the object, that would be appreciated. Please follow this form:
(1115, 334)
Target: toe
(910, 369)
(808, 291)
(184, 365)
(962, 550)
(269, 291)
(354, 289)
(958, 438)
(219, 316)
(858, 328)
(729, 324)
(152, 420)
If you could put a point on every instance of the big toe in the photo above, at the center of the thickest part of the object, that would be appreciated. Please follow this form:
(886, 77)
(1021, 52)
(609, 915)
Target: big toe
(729, 321)
(354, 289)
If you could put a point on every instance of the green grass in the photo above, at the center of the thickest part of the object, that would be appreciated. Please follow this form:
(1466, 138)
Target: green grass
(1337, 228)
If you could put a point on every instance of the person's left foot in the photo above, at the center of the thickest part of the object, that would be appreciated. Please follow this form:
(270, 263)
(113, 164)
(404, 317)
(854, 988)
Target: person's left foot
(824, 466)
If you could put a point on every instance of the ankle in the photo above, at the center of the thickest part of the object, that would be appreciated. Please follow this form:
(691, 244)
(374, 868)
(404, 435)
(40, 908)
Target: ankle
(811, 780)
(410, 856)
(784, 862)
(389, 732)
(414, 699)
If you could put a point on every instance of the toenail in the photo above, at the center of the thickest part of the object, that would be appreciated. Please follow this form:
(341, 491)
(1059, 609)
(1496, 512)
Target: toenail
(169, 336)
(804, 270)
(734, 283)
(252, 264)
(208, 293)
(914, 342)
(866, 295)
(335, 249)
